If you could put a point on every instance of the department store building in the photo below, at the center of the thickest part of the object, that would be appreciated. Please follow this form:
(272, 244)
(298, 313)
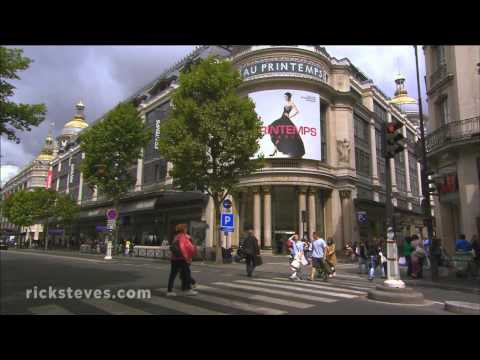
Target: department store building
(323, 171)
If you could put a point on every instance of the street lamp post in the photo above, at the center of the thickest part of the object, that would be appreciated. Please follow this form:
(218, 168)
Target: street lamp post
(427, 211)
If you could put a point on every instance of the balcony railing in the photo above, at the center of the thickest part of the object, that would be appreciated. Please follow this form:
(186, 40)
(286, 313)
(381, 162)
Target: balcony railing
(456, 131)
(438, 75)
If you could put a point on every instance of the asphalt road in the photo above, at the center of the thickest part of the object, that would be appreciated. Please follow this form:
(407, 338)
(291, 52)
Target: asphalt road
(224, 289)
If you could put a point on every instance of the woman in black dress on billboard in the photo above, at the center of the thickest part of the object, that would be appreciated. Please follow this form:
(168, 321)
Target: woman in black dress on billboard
(288, 144)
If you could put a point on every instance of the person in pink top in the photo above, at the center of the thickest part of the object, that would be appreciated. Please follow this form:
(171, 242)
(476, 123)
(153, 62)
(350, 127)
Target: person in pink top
(183, 251)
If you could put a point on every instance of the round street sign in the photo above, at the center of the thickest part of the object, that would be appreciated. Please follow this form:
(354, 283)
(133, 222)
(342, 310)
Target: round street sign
(112, 214)
(227, 203)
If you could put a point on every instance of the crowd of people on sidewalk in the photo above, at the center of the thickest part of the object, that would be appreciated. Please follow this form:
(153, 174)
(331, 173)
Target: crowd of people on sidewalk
(314, 254)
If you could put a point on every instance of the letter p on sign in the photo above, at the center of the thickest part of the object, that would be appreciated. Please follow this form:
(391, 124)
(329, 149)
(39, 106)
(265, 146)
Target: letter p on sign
(226, 221)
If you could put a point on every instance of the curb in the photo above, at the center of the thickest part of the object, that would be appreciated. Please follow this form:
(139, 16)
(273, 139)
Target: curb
(462, 307)
(396, 295)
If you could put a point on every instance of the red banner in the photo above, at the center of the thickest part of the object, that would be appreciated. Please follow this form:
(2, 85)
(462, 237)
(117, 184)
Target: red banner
(48, 180)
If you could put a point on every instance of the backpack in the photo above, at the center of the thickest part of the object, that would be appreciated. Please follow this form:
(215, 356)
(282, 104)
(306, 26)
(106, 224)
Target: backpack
(175, 248)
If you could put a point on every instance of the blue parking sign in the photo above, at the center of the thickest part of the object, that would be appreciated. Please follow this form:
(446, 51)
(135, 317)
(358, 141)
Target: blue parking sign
(226, 221)
(362, 217)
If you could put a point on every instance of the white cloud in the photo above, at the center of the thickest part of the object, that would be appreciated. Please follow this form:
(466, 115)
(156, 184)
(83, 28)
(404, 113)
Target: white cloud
(7, 172)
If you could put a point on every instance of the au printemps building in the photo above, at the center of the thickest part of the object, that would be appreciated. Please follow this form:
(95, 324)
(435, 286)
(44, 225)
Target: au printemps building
(324, 174)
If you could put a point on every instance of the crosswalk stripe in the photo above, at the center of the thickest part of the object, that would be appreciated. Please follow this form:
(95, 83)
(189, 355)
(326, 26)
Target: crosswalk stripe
(351, 283)
(297, 288)
(50, 309)
(277, 292)
(180, 306)
(262, 298)
(238, 305)
(113, 307)
(315, 286)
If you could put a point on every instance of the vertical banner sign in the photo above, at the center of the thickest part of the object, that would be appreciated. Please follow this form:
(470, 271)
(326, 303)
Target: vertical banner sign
(48, 180)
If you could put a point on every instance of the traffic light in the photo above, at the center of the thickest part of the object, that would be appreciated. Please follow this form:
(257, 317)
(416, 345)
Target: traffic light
(394, 139)
(432, 183)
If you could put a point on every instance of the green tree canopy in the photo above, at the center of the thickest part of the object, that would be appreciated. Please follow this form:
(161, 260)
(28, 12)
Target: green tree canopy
(66, 209)
(19, 208)
(212, 133)
(112, 146)
(15, 116)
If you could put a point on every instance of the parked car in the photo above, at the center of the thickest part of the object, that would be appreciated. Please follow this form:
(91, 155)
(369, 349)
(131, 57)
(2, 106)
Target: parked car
(11, 241)
(3, 244)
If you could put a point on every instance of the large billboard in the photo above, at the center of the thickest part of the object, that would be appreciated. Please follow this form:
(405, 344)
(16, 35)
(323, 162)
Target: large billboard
(290, 123)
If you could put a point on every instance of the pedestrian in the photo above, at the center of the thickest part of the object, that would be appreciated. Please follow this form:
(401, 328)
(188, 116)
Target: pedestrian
(360, 252)
(251, 250)
(182, 252)
(298, 259)
(132, 245)
(407, 253)
(290, 244)
(307, 248)
(418, 256)
(193, 283)
(476, 255)
(462, 244)
(127, 247)
(372, 255)
(331, 257)
(348, 251)
(382, 253)
(318, 258)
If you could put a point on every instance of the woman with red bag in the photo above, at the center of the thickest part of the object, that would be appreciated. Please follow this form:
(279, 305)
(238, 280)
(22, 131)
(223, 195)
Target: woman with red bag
(182, 251)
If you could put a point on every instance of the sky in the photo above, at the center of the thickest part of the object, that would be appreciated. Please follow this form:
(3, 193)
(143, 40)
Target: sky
(102, 76)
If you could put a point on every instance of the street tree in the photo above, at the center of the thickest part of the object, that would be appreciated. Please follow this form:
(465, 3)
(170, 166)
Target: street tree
(212, 134)
(111, 147)
(43, 208)
(19, 209)
(15, 116)
(66, 210)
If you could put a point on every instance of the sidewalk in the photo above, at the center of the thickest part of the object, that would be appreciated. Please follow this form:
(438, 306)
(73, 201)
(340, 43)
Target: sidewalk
(446, 283)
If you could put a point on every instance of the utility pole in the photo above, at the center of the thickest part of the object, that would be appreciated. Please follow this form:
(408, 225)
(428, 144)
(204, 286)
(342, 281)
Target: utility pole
(427, 211)
(393, 143)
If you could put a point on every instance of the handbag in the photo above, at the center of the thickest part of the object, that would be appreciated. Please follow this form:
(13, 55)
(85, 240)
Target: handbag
(303, 261)
(258, 260)
(295, 264)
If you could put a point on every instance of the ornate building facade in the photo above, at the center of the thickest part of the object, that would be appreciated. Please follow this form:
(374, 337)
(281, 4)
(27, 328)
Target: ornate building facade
(453, 141)
(324, 171)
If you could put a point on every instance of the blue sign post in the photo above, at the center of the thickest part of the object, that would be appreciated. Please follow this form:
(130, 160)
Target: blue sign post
(226, 221)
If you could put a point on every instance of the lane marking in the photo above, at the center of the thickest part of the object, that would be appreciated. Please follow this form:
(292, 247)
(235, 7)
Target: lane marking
(238, 305)
(180, 306)
(262, 298)
(297, 288)
(50, 309)
(277, 292)
(114, 308)
(315, 286)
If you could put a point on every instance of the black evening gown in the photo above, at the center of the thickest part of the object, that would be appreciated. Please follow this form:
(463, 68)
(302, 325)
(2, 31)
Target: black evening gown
(288, 144)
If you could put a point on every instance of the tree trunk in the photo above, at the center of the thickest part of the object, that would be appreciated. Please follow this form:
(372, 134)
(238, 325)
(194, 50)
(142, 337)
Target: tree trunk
(45, 234)
(217, 232)
(115, 231)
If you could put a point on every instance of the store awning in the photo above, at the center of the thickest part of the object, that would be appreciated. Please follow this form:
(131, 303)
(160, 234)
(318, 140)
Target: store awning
(141, 205)
(92, 213)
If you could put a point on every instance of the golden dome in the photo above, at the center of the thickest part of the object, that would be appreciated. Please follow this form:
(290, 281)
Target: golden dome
(76, 123)
(45, 157)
